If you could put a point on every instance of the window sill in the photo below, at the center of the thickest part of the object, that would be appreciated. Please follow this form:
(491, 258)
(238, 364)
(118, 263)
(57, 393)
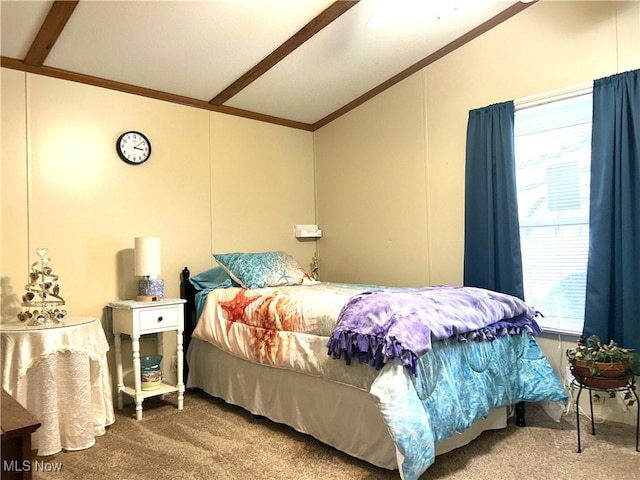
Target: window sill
(555, 331)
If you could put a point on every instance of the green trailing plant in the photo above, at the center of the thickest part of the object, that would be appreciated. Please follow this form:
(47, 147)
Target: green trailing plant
(593, 352)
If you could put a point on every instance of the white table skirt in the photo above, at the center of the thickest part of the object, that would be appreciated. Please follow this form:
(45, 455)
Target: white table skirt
(61, 375)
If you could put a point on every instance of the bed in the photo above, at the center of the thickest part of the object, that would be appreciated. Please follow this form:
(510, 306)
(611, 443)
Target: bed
(262, 334)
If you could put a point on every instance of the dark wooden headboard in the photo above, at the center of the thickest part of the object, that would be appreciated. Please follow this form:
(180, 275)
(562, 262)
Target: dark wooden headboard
(188, 292)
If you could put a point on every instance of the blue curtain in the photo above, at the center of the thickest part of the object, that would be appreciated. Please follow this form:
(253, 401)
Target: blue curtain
(612, 308)
(492, 257)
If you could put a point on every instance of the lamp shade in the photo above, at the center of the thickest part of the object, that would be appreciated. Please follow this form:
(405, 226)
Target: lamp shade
(147, 256)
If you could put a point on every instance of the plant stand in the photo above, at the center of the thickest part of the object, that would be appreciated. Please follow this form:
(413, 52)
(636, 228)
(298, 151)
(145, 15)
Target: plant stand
(586, 382)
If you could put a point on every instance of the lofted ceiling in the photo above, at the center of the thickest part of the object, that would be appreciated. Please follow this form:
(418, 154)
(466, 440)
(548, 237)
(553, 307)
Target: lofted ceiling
(300, 63)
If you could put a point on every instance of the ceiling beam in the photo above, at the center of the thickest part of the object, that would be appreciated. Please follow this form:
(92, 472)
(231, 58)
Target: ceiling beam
(60, 7)
(50, 30)
(331, 13)
(14, 64)
(416, 67)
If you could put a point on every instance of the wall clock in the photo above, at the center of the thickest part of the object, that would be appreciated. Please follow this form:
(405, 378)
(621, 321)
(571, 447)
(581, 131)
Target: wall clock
(133, 147)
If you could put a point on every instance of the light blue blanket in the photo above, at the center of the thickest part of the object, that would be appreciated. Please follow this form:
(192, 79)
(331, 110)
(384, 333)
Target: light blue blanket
(457, 384)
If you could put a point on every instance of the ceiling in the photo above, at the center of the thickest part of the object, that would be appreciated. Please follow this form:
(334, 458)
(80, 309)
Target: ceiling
(300, 63)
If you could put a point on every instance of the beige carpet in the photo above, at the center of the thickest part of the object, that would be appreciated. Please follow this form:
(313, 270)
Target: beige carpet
(212, 440)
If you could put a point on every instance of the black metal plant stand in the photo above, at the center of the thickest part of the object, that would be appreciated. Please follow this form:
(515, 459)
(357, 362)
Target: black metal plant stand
(630, 386)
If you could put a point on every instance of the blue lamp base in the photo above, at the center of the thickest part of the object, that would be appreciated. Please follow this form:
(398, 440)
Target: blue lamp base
(150, 290)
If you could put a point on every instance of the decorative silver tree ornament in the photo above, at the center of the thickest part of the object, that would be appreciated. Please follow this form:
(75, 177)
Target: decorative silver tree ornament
(42, 295)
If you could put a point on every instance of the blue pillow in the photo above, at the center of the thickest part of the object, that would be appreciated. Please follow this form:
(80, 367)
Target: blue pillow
(209, 280)
(264, 269)
(216, 277)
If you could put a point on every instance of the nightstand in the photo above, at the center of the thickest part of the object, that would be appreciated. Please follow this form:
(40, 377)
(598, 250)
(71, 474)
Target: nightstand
(142, 318)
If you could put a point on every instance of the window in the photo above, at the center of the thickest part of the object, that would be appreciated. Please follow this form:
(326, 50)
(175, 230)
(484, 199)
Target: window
(553, 159)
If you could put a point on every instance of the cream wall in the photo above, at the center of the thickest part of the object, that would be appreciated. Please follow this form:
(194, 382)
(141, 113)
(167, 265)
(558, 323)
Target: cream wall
(372, 191)
(549, 46)
(13, 194)
(395, 165)
(263, 184)
(213, 183)
(390, 173)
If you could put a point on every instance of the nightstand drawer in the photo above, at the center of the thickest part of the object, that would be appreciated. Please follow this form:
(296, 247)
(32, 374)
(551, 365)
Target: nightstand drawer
(155, 318)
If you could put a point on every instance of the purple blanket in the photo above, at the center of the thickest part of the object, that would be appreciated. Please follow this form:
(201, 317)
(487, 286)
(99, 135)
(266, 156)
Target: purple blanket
(379, 325)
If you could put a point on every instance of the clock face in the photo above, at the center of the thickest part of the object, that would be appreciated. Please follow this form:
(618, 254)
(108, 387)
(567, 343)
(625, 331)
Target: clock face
(133, 147)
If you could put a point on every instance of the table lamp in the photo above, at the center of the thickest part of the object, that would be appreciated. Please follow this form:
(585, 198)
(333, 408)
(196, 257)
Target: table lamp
(147, 265)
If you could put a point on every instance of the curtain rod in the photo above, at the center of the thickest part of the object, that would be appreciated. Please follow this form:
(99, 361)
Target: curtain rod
(553, 96)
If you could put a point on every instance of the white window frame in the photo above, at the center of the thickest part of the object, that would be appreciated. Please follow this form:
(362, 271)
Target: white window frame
(550, 323)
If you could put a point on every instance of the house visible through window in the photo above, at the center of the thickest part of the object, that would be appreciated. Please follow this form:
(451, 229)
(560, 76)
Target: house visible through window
(553, 158)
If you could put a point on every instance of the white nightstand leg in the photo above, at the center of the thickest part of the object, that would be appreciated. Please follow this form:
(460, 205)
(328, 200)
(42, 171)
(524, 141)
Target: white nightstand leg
(135, 346)
(119, 375)
(179, 361)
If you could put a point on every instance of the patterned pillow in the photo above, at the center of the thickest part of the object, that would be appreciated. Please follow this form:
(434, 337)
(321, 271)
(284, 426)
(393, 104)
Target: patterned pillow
(264, 269)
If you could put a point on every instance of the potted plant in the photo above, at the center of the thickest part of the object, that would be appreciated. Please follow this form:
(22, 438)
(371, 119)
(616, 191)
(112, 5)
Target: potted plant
(602, 365)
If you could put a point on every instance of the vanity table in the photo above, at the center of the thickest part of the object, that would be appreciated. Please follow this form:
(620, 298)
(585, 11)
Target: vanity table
(60, 374)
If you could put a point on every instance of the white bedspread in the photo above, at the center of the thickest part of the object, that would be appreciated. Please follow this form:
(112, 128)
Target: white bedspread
(285, 327)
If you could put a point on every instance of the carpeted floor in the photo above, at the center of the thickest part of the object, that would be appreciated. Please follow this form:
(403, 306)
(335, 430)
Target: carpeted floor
(212, 440)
